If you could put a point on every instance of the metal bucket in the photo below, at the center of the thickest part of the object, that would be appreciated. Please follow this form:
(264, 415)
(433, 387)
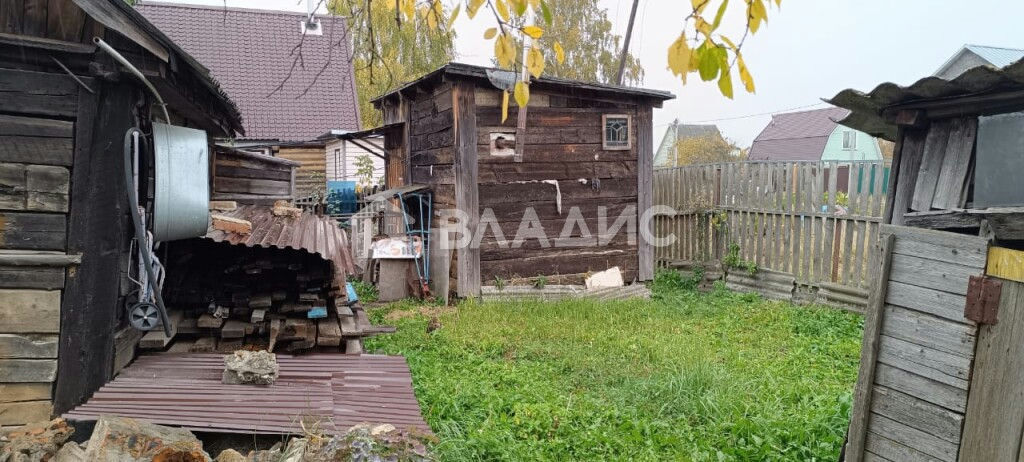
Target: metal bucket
(182, 193)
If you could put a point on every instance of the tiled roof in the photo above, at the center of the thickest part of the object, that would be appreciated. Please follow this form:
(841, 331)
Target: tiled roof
(251, 53)
(796, 135)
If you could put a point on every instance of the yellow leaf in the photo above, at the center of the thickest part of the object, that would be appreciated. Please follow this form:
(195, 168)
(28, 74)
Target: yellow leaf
(533, 31)
(430, 16)
(504, 106)
(699, 5)
(535, 62)
(725, 83)
(502, 8)
(522, 93)
(679, 57)
(409, 9)
(559, 53)
(745, 77)
(391, 4)
(703, 27)
(728, 42)
(756, 13)
(519, 6)
(504, 50)
(455, 14)
(473, 6)
(490, 33)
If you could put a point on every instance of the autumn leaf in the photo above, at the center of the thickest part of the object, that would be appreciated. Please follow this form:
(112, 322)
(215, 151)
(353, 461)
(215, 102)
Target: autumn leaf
(409, 9)
(473, 6)
(522, 93)
(725, 83)
(703, 27)
(490, 33)
(699, 5)
(719, 14)
(504, 106)
(756, 13)
(745, 77)
(559, 53)
(455, 14)
(533, 31)
(679, 57)
(519, 6)
(504, 50)
(502, 8)
(535, 62)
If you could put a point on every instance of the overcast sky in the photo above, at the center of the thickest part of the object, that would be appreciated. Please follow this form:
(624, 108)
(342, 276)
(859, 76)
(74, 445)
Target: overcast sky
(810, 49)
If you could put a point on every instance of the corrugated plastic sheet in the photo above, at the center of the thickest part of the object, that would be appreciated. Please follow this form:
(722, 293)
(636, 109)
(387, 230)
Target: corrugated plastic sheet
(867, 107)
(330, 391)
(314, 234)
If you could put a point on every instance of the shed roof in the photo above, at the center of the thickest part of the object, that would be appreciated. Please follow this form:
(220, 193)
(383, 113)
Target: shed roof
(480, 72)
(867, 108)
(255, 53)
(796, 135)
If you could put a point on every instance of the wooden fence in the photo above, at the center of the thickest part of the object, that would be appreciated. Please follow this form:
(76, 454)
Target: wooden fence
(812, 221)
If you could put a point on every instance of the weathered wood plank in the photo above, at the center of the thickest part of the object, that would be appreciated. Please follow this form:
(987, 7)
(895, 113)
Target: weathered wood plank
(869, 353)
(949, 397)
(891, 450)
(14, 346)
(645, 170)
(24, 412)
(994, 421)
(28, 370)
(941, 367)
(1005, 263)
(923, 272)
(251, 186)
(942, 304)
(921, 415)
(30, 311)
(33, 231)
(952, 178)
(467, 198)
(35, 150)
(929, 331)
(914, 438)
(14, 392)
(958, 248)
(931, 163)
(34, 126)
(903, 178)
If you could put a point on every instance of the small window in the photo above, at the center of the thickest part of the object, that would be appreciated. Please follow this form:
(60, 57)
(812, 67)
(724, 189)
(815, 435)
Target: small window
(615, 132)
(849, 140)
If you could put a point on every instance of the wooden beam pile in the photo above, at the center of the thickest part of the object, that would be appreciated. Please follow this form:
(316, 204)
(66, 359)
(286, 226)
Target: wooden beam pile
(233, 296)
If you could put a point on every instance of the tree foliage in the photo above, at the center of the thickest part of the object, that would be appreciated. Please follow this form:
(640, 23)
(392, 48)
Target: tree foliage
(389, 51)
(707, 149)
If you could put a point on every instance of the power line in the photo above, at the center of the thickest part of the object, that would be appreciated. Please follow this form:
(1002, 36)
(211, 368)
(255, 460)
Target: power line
(755, 115)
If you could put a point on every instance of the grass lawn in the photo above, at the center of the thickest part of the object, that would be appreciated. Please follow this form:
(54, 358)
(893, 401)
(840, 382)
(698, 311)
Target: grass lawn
(687, 376)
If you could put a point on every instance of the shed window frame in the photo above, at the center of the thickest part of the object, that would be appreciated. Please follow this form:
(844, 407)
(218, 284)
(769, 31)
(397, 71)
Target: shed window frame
(849, 140)
(604, 132)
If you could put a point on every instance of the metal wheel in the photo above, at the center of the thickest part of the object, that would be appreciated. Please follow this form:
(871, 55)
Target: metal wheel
(143, 316)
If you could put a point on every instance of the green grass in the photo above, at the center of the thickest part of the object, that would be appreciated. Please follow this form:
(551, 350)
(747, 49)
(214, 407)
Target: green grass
(686, 376)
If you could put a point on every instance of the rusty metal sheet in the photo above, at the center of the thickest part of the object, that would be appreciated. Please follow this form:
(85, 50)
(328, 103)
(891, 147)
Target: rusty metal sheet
(983, 299)
(318, 235)
(334, 391)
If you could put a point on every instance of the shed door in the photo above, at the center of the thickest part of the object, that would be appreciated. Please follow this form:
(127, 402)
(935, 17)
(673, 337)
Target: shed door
(994, 424)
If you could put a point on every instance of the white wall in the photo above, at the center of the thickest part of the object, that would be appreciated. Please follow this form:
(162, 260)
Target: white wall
(341, 159)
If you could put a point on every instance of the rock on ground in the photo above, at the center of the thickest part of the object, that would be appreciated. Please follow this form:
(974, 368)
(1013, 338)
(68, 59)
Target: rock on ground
(123, 439)
(250, 367)
(35, 442)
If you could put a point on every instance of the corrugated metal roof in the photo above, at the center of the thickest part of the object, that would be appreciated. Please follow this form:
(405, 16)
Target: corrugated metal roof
(796, 135)
(866, 108)
(314, 234)
(999, 57)
(335, 391)
(255, 55)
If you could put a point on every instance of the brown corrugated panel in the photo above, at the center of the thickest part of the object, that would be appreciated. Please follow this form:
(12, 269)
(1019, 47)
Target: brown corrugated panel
(314, 234)
(331, 391)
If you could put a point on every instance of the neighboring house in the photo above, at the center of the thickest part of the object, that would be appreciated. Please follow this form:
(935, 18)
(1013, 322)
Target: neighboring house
(977, 55)
(287, 102)
(342, 156)
(665, 156)
(813, 136)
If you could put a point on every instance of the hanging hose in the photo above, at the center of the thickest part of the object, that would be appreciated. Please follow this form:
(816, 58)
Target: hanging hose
(140, 230)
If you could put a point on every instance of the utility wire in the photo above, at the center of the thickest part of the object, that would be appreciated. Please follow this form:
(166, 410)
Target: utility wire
(753, 115)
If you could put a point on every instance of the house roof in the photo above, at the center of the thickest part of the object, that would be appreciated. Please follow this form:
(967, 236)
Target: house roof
(120, 16)
(995, 56)
(678, 131)
(796, 135)
(867, 108)
(256, 56)
(554, 83)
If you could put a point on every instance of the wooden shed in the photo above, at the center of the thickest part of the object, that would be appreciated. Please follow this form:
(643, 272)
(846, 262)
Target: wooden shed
(942, 363)
(65, 106)
(581, 150)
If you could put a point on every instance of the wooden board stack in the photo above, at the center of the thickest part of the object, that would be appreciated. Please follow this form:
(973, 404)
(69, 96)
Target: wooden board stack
(225, 297)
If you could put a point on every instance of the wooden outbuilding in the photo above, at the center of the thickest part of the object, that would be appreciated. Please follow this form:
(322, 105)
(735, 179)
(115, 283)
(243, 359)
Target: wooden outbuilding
(579, 150)
(65, 231)
(942, 361)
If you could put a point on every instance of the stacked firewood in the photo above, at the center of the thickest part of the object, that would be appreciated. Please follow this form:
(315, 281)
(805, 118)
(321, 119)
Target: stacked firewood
(233, 297)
